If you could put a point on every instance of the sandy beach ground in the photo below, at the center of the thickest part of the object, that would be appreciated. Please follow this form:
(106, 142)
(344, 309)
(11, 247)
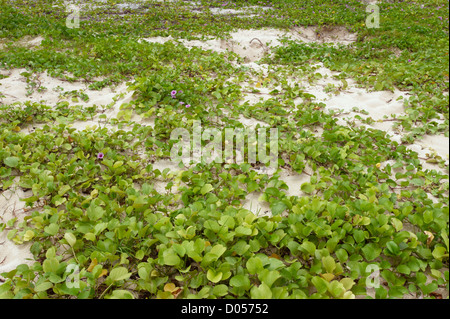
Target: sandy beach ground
(377, 105)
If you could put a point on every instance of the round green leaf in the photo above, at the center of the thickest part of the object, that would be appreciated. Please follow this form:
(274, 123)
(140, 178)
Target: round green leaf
(71, 239)
(11, 161)
(119, 273)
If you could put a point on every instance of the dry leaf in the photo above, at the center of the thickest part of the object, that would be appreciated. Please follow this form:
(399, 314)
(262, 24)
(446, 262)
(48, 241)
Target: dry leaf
(430, 237)
(275, 256)
(176, 292)
(436, 295)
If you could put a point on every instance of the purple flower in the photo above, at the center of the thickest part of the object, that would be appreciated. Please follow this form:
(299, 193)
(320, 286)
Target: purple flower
(173, 93)
(100, 155)
(409, 60)
(188, 105)
(181, 102)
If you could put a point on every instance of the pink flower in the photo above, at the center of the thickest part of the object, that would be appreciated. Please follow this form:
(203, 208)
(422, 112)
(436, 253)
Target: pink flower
(100, 155)
(188, 105)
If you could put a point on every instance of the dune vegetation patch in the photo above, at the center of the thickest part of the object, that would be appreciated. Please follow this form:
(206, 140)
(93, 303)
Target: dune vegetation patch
(93, 206)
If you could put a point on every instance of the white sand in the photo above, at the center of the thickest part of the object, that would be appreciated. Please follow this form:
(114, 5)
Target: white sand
(11, 254)
(252, 45)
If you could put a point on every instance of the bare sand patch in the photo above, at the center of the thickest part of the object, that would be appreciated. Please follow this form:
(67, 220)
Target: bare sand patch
(253, 44)
(11, 206)
(326, 34)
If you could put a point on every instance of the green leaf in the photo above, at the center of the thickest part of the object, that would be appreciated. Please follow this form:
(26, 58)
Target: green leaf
(251, 186)
(243, 231)
(50, 265)
(371, 251)
(329, 264)
(308, 188)
(358, 234)
(392, 248)
(378, 86)
(214, 276)
(342, 255)
(11, 161)
(43, 286)
(218, 250)
(95, 212)
(63, 189)
(444, 236)
(179, 249)
(206, 189)
(51, 229)
(336, 289)
(428, 216)
(240, 281)
(427, 289)
(308, 247)
(417, 182)
(404, 269)
(278, 207)
(320, 284)
(220, 290)
(268, 276)
(118, 164)
(171, 258)
(254, 265)
(261, 292)
(121, 294)
(119, 273)
(398, 225)
(439, 252)
(71, 239)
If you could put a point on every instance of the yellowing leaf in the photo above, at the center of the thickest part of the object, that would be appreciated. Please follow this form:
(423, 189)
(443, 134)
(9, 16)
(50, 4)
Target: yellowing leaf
(348, 283)
(29, 234)
(170, 287)
(258, 84)
(92, 265)
(327, 276)
(103, 273)
(154, 273)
